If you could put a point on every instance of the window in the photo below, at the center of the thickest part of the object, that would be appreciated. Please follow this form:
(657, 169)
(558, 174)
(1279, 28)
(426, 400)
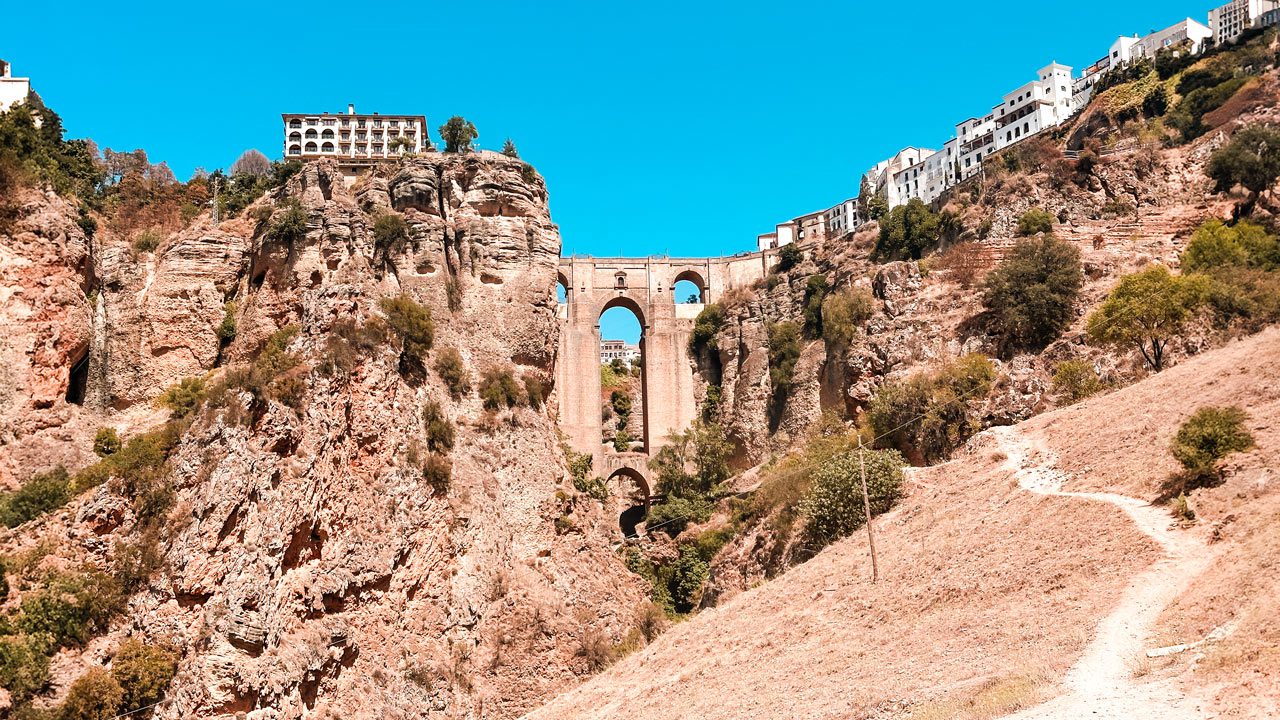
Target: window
(295, 123)
(620, 280)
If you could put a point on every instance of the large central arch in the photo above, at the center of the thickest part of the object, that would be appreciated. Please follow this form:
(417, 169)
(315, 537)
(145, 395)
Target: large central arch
(646, 286)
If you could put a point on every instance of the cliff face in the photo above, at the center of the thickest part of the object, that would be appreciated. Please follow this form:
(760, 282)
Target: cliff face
(310, 568)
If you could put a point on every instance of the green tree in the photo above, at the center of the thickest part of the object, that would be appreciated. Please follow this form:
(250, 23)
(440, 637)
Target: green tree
(509, 149)
(413, 327)
(877, 207)
(40, 494)
(1035, 220)
(1031, 296)
(1146, 310)
(24, 665)
(815, 291)
(622, 440)
(833, 507)
(788, 257)
(1075, 380)
(784, 352)
(908, 230)
(453, 372)
(1207, 437)
(457, 134)
(1218, 245)
(864, 197)
(688, 577)
(621, 402)
(106, 442)
(705, 327)
(389, 230)
(143, 671)
(498, 387)
(94, 695)
(844, 313)
(1250, 159)
(291, 226)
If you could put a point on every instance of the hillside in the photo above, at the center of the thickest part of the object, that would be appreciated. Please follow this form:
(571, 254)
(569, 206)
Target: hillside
(993, 596)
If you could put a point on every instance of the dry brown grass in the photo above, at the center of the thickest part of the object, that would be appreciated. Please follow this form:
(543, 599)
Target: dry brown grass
(992, 699)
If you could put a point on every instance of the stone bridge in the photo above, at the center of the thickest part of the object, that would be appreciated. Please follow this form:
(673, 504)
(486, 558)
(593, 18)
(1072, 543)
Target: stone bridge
(646, 287)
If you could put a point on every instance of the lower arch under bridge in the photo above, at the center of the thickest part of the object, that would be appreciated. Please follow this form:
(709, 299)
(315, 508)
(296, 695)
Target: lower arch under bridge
(646, 287)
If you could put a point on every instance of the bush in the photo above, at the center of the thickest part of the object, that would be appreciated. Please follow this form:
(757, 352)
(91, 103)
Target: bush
(94, 695)
(709, 322)
(833, 507)
(269, 376)
(1031, 296)
(453, 372)
(1208, 436)
(1035, 221)
(1216, 245)
(535, 391)
(583, 480)
(674, 514)
(1191, 109)
(40, 494)
(1249, 159)
(143, 672)
(389, 230)
(844, 313)
(439, 429)
(70, 608)
(291, 226)
(928, 415)
(908, 230)
(788, 257)
(784, 351)
(815, 291)
(146, 241)
(498, 388)
(1075, 380)
(24, 666)
(1147, 309)
(413, 326)
(622, 440)
(348, 342)
(226, 331)
(688, 577)
(437, 471)
(183, 398)
(621, 402)
(1247, 294)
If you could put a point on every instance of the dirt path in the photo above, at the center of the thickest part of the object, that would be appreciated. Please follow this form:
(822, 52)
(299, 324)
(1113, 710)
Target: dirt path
(1100, 685)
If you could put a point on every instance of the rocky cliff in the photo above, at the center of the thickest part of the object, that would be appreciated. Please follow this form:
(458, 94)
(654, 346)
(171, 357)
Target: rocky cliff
(309, 568)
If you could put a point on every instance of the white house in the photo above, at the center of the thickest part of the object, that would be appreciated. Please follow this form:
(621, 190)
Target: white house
(1042, 103)
(843, 218)
(976, 138)
(1122, 51)
(352, 139)
(1229, 21)
(13, 90)
(900, 178)
(1196, 34)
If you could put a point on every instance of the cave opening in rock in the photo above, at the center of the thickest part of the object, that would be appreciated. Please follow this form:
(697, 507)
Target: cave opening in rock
(78, 383)
(630, 518)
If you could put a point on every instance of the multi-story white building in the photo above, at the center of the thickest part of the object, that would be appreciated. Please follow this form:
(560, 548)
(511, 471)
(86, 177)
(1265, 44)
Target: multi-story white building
(1193, 33)
(13, 90)
(1042, 103)
(843, 218)
(352, 139)
(898, 179)
(1229, 21)
(611, 350)
(976, 137)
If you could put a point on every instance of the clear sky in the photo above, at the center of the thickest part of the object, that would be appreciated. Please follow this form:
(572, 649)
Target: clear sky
(679, 128)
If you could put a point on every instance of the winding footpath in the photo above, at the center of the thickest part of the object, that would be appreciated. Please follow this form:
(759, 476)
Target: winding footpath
(1100, 684)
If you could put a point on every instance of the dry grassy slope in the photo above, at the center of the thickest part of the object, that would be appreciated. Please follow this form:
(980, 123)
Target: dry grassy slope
(990, 592)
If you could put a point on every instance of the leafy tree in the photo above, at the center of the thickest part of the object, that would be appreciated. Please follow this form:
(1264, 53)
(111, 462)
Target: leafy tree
(24, 665)
(621, 402)
(784, 351)
(1156, 103)
(1031, 296)
(843, 313)
(1250, 159)
(693, 299)
(688, 577)
(143, 670)
(833, 507)
(1147, 309)
(927, 415)
(1075, 380)
(864, 196)
(1209, 435)
(251, 162)
(705, 327)
(457, 134)
(94, 695)
(877, 207)
(622, 440)
(389, 229)
(788, 257)
(908, 230)
(32, 149)
(183, 397)
(401, 143)
(413, 326)
(1218, 245)
(1034, 221)
(106, 442)
(509, 149)
(291, 226)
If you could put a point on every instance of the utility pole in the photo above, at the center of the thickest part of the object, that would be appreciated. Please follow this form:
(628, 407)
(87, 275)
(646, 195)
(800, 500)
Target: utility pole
(866, 509)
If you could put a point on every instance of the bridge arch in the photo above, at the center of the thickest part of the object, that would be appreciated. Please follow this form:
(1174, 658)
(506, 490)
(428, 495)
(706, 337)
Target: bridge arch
(629, 494)
(690, 276)
(629, 303)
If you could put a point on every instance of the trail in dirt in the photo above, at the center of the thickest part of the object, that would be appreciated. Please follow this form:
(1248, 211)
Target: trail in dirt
(1100, 685)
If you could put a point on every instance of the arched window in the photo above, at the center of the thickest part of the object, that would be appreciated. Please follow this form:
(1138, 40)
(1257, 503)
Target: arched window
(327, 134)
(295, 137)
(295, 150)
(620, 280)
(327, 147)
(311, 147)
(311, 134)
(295, 123)
(689, 287)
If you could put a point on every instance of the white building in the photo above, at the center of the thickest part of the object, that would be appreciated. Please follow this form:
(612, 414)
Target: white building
(843, 218)
(1122, 51)
(783, 234)
(1193, 33)
(13, 90)
(352, 139)
(1042, 103)
(900, 178)
(976, 137)
(1229, 21)
(611, 350)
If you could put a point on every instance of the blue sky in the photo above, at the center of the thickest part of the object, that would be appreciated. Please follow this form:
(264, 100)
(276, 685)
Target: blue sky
(662, 127)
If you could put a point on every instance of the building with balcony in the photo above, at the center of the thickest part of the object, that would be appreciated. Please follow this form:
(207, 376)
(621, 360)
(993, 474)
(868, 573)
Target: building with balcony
(611, 350)
(354, 140)
(843, 218)
(1042, 103)
(13, 90)
(1229, 21)
(1188, 33)
(977, 139)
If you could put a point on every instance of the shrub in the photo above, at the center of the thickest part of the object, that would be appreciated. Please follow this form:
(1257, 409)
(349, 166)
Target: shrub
(962, 262)
(1208, 436)
(106, 442)
(1249, 159)
(226, 330)
(1156, 103)
(453, 372)
(143, 671)
(70, 608)
(844, 313)
(1031, 296)
(784, 351)
(815, 291)
(688, 576)
(1075, 380)
(457, 134)
(1035, 220)
(413, 326)
(1147, 310)
(439, 430)
(788, 257)
(622, 440)
(348, 342)
(535, 390)
(583, 481)
(40, 494)
(146, 241)
(137, 559)
(928, 415)
(833, 507)
(1246, 294)
(389, 230)
(269, 376)
(509, 149)
(1191, 109)
(674, 514)
(709, 322)
(94, 695)
(291, 226)
(621, 402)
(183, 398)
(1215, 245)
(437, 471)
(908, 230)
(499, 388)
(24, 666)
